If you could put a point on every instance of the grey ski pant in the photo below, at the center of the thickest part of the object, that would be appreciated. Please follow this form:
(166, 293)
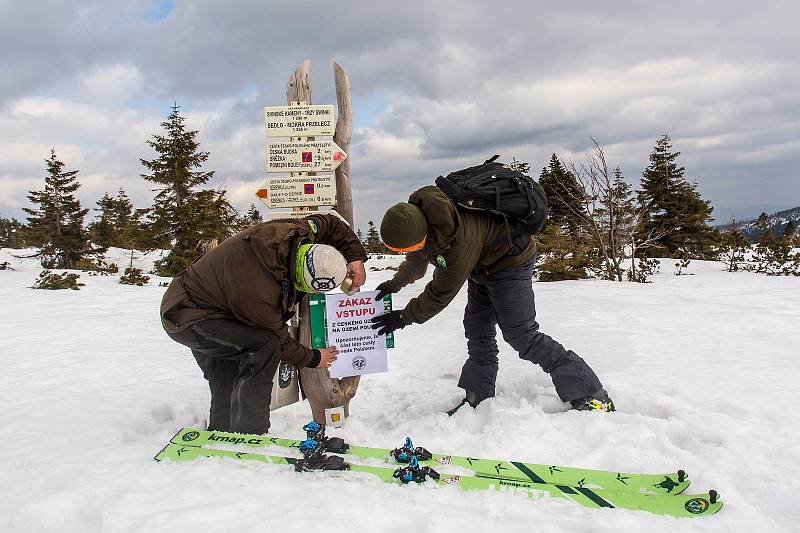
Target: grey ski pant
(239, 363)
(506, 299)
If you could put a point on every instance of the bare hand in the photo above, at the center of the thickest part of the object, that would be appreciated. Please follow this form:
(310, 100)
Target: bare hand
(327, 356)
(356, 271)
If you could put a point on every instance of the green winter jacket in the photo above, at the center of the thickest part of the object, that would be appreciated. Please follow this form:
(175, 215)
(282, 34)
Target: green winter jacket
(461, 244)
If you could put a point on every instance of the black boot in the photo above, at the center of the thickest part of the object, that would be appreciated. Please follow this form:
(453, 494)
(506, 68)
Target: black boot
(469, 398)
(599, 401)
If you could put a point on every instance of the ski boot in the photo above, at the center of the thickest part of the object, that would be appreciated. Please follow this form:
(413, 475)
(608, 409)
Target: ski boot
(599, 401)
(414, 472)
(316, 431)
(469, 398)
(407, 451)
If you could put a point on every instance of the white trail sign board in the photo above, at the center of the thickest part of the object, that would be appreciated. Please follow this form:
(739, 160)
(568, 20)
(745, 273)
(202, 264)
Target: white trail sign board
(304, 156)
(361, 349)
(298, 191)
(299, 120)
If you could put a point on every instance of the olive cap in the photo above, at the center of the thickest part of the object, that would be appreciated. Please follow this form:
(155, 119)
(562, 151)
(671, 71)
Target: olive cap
(403, 226)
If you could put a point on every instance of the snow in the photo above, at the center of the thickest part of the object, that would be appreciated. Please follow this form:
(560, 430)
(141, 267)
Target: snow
(703, 369)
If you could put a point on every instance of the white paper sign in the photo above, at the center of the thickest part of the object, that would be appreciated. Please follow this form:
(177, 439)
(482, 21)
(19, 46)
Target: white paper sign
(361, 349)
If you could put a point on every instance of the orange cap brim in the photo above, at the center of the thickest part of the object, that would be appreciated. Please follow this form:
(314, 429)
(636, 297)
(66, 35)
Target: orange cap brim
(412, 248)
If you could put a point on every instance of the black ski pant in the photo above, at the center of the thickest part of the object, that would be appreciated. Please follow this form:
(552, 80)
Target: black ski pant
(506, 299)
(239, 362)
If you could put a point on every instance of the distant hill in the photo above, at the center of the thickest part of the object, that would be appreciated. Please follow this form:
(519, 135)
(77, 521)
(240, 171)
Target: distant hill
(777, 223)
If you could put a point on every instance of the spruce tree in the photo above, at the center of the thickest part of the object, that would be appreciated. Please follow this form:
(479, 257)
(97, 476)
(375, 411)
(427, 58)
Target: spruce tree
(561, 256)
(249, 219)
(675, 210)
(12, 233)
(55, 225)
(373, 243)
(563, 248)
(790, 231)
(733, 247)
(216, 218)
(127, 223)
(616, 219)
(774, 256)
(176, 218)
(102, 229)
(565, 197)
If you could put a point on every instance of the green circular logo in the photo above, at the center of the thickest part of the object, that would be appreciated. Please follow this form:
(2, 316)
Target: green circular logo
(190, 436)
(697, 505)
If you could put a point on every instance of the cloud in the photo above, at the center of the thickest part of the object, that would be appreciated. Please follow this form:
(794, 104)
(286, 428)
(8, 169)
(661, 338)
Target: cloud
(443, 84)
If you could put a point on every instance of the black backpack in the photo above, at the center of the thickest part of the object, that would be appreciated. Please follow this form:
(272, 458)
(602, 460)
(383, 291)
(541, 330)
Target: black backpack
(499, 189)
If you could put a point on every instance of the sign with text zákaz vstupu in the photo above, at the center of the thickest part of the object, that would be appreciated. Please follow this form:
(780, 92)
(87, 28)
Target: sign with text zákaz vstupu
(304, 156)
(299, 120)
(361, 349)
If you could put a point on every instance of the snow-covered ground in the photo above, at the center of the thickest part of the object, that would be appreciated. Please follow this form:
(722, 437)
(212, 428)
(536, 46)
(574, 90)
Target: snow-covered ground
(704, 371)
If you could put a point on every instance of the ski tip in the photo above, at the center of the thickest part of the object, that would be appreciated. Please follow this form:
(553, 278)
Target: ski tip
(681, 476)
(713, 496)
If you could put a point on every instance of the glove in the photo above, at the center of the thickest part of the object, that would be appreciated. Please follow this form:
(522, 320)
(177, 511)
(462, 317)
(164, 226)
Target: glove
(384, 289)
(389, 322)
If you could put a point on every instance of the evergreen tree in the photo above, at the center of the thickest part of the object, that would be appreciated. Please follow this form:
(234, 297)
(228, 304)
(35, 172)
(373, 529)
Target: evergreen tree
(774, 256)
(177, 218)
(766, 237)
(373, 243)
(249, 219)
(56, 223)
(216, 218)
(616, 220)
(733, 247)
(564, 252)
(790, 231)
(118, 223)
(128, 223)
(675, 210)
(566, 198)
(12, 233)
(561, 255)
(102, 229)
(360, 235)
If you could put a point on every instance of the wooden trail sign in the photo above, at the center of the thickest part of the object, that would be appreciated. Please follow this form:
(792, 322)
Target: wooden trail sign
(299, 120)
(304, 156)
(298, 191)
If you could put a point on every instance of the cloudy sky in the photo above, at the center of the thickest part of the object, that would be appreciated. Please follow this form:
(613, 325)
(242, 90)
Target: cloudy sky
(436, 85)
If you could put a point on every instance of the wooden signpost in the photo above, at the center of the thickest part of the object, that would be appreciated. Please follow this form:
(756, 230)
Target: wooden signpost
(303, 156)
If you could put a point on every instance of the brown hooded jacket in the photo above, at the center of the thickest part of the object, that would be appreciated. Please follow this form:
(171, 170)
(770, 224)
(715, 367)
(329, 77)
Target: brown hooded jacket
(250, 277)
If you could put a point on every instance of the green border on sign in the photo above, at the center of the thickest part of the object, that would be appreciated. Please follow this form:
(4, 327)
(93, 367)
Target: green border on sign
(319, 331)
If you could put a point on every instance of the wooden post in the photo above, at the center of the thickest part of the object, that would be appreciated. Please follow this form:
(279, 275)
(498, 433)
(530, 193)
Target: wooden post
(342, 136)
(322, 391)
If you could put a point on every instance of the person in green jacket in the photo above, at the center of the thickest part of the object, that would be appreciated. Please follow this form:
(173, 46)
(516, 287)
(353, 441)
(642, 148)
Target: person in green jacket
(473, 247)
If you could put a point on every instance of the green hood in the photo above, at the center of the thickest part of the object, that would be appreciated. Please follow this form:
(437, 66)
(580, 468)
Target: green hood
(442, 218)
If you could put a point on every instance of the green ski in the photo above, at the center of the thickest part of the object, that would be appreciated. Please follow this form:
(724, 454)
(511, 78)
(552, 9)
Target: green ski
(672, 483)
(679, 506)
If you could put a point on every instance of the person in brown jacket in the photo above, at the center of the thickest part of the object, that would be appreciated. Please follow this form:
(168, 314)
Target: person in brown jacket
(230, 307)
(474, 247)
